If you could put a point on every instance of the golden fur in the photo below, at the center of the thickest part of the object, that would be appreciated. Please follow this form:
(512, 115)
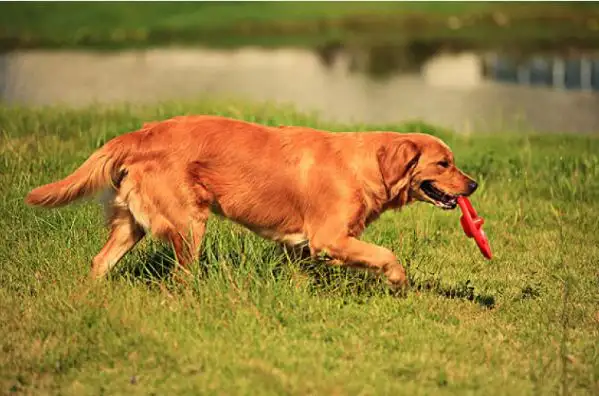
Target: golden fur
(295, 185)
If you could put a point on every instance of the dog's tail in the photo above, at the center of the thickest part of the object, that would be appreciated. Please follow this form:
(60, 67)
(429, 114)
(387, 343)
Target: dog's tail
(101, 169)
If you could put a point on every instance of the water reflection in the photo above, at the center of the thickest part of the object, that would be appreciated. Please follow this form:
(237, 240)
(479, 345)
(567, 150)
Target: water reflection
(465, 90)
(554, 68)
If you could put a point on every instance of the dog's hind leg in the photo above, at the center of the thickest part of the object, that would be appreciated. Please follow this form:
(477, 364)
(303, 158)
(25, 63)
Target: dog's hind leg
(187, 246)
(124, 235)
(184, 232)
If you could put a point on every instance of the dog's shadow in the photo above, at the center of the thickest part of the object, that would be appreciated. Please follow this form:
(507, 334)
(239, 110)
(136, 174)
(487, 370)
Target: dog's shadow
(363, 285)
(157, 265)
(460, 290)
(151, 267)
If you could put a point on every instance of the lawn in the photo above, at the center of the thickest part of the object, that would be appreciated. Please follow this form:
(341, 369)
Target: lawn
(253, 322)
(112, 24)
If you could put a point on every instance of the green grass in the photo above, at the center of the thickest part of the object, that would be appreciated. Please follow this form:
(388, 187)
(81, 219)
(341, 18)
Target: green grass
(82, 24)
(252, 322)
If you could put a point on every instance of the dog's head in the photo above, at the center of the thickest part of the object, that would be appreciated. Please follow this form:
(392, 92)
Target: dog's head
(423, 167)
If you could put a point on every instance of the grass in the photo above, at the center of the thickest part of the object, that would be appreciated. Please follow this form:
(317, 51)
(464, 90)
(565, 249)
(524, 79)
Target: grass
(252, 322)
(82, 24)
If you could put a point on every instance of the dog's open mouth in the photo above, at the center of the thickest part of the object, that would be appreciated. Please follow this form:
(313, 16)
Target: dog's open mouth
(439, 198)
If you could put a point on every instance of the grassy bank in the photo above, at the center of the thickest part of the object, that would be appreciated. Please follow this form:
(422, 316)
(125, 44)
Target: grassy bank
(78, 24)
(254, 323)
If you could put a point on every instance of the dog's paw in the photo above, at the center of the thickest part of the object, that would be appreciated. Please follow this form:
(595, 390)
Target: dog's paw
(397, 280)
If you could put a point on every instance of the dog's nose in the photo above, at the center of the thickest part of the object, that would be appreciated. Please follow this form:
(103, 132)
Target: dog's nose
(472, 186)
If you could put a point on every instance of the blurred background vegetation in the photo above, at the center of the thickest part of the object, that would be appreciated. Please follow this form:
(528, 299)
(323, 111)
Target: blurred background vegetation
(60, 24)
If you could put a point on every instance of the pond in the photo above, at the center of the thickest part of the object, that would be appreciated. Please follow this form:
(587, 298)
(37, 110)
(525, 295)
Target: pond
(465, 90)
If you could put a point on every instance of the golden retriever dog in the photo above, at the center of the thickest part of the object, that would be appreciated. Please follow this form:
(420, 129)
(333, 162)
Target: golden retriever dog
(294, 185)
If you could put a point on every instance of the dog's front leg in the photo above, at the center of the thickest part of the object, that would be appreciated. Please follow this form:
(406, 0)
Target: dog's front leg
(352, 252)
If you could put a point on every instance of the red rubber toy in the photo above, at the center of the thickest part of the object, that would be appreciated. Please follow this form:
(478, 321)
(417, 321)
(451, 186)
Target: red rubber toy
(472, 225)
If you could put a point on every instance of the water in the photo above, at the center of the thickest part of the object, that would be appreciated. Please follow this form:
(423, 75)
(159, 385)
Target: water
(465, 90)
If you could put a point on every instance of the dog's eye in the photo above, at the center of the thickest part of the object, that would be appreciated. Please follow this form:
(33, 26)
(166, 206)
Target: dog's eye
(443, 164)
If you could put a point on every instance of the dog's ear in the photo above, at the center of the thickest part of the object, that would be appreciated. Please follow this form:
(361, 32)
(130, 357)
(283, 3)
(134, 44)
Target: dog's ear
(396, 160)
